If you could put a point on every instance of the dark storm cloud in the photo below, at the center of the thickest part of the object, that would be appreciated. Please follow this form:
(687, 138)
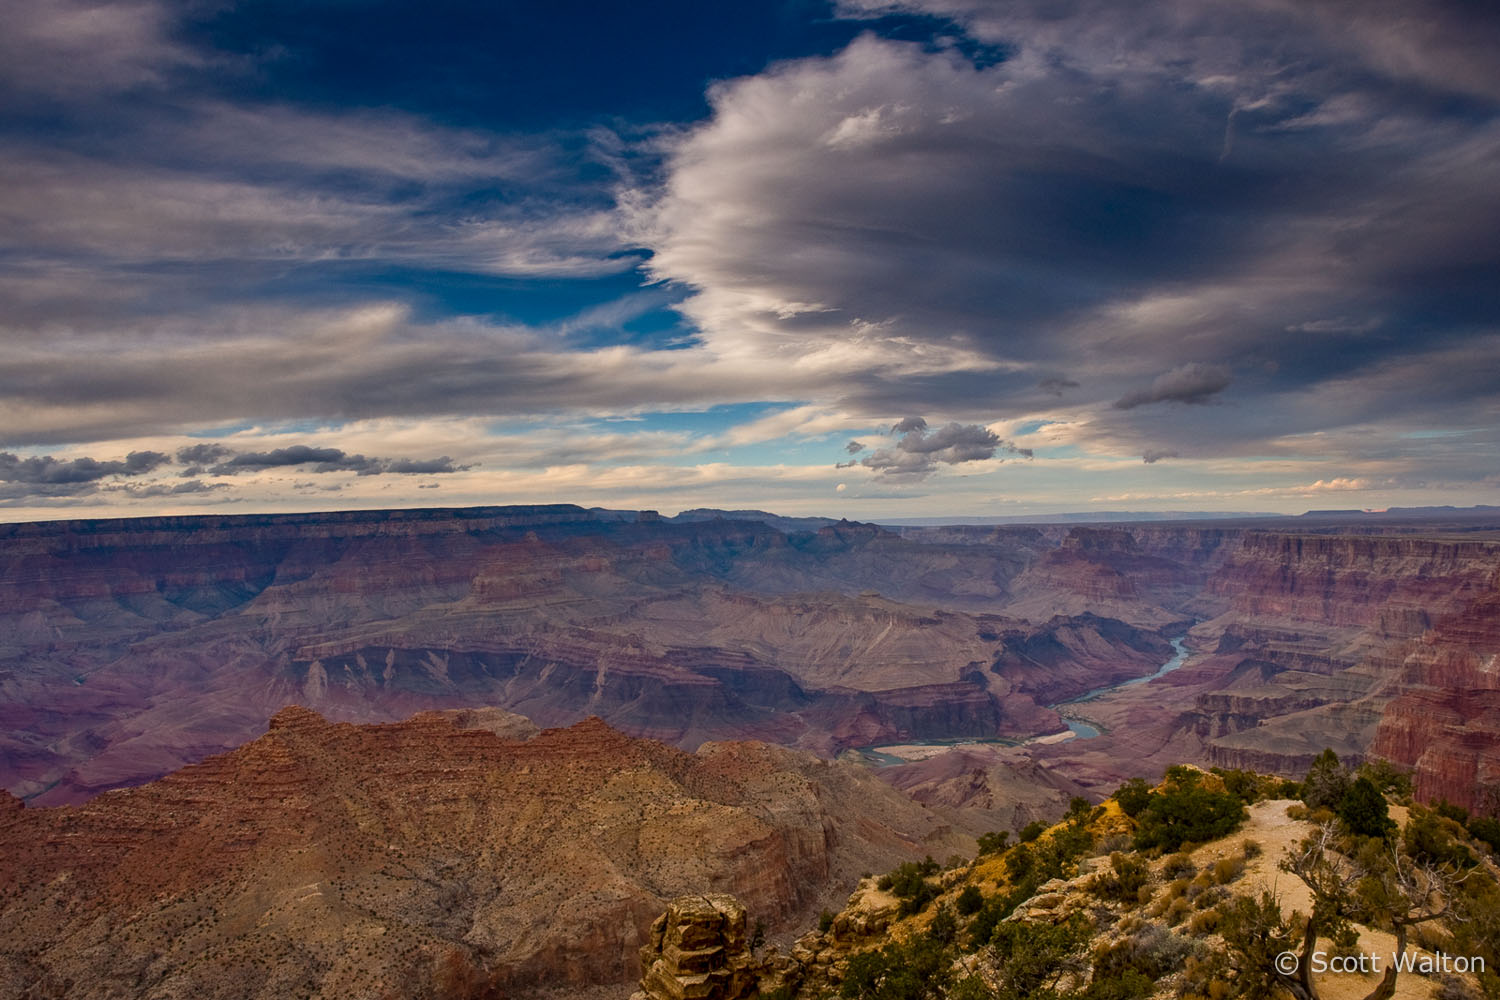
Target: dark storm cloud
(193, 486)
(46, 477)
(49, 471)
(855, 447)
(321, 460)
(1193, 383)
(919, 451)
(202, 454)
(310, 459)
(430, 466)
(19, 494)
(1152, 456)
(1055, 386)
(1288, 192)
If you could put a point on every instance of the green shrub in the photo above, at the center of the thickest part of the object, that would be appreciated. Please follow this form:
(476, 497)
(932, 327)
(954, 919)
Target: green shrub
(915, 970)
(909, 884)
(1179, 866)
(1326, 782)
(1363, 810)
(1031, 831)
(1429, 837)
(1057, 856)
(944, 928)
(1485, 829)
(1128, 875)
(1226, 870)
(994, 843)
(969, 901)
(990, 915)
(1128, 985)
(1243, 785)
(1254, 933)
(1448, 810)
(1032, 957)
(1390, 778)
(825, 922)
(1133, 796)
(918, 900)
(1186, 811)
(1020, 863)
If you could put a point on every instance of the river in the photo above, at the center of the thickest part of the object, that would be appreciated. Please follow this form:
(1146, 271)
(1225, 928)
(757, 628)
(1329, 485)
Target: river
(1082, 727)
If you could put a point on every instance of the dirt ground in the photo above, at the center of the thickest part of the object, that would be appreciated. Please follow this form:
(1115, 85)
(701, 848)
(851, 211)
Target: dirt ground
(1276, 834)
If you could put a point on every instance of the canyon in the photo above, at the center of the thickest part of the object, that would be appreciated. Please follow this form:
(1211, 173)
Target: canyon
(354, 860)
(502, 740)
(131, 648)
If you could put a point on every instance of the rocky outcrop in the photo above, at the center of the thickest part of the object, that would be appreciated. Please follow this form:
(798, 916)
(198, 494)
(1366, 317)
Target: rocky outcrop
(336, 858)
(985, 787)
(1071, 655)
(699, 949)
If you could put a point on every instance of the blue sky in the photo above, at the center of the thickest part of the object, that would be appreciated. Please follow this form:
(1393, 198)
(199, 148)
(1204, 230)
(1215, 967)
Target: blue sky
(861, 258)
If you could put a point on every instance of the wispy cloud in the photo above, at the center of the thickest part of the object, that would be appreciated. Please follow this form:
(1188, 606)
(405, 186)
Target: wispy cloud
(1048, 229)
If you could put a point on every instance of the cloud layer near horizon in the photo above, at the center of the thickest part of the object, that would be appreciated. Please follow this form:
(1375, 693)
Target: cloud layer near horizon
(1100, 234)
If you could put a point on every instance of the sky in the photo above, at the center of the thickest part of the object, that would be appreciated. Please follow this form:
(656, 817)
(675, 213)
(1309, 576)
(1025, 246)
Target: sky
(856, 258)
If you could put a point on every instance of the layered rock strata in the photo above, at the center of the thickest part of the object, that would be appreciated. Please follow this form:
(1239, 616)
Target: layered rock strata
(699, 949)
(128, 648)
(346, 860)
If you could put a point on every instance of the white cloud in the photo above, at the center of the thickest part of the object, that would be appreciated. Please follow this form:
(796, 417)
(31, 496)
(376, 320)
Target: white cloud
(85, 48)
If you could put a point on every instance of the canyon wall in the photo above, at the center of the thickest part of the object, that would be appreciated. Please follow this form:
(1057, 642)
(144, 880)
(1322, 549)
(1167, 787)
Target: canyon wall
(348, 860)
(129, 648)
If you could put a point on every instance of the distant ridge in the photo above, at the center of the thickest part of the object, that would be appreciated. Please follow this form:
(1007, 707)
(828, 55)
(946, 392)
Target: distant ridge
(780, 522)
(1086, 517)
(1406, 513)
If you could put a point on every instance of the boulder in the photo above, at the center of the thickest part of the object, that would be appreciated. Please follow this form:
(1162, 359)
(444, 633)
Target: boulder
(698, 950)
